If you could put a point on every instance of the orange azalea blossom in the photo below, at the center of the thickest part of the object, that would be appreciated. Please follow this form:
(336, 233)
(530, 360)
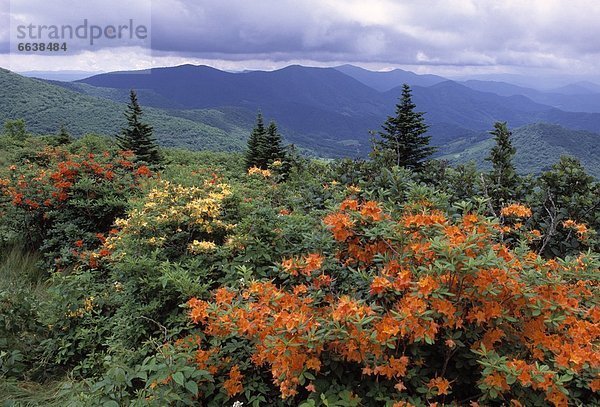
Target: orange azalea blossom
(427, 285)
(579, 228)
(198, 310)
(424, 219)
(291, 266)
(557, 398)
(312, 262)
(371, 210)
(349, 204)
(516, 210)
(442, 385)
(233, 385)
(143, 171)
(595, 385)
(497, 381)
(341, 225)
(380, 285)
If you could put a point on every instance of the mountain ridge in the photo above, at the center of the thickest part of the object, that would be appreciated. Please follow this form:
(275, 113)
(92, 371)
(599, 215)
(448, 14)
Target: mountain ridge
(324, 111)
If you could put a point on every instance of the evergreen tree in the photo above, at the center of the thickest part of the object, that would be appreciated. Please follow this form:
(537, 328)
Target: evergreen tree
(271, 146)
(63, 137)
(403, 140)
(255, 141)
(137, 136)
(15, 129)
(503, 180)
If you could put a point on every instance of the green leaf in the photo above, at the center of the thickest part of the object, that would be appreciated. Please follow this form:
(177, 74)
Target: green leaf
(192, 387)
(178, 378)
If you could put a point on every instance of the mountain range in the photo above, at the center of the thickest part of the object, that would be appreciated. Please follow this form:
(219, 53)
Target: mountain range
(327, 112)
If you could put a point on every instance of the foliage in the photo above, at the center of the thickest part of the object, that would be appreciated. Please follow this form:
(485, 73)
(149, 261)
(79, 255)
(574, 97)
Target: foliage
(539, 146)
(329, 283)
(46, 106)
(272, 145)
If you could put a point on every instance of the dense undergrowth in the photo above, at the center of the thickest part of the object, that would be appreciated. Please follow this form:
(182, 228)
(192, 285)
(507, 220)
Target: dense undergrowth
(340, 284)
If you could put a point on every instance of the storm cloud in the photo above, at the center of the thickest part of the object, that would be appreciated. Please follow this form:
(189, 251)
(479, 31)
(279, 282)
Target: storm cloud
(549, 34)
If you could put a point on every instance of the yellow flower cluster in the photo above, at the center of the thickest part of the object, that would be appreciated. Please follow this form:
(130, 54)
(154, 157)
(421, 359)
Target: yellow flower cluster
(258, 171)
(353, 189)
(197, 247)
(171, 208)
(178, 204)
(88, 306)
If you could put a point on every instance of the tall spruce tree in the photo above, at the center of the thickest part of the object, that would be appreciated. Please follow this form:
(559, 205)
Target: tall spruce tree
(403, 140)
(503, 179)
(255, 142)
(271, 146)
(63, 137)
(137, 136)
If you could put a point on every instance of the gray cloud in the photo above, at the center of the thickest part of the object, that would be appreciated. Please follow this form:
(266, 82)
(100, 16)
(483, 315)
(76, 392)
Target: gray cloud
(462, 32)
(537, 33)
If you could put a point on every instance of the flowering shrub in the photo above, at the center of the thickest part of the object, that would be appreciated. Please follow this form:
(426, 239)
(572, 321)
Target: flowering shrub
(132, 284)
(446, 313)
(175, 219)
(65, 202)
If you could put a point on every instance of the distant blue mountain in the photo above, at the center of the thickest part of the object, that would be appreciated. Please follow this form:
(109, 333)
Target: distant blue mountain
(579, 97)
(321, 110)
(384, 81)
(332, 110)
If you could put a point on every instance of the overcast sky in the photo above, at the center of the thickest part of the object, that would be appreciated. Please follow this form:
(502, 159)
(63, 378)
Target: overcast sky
(428, 36)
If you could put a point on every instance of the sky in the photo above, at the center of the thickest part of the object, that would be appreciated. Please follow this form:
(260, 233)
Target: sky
(447, 37)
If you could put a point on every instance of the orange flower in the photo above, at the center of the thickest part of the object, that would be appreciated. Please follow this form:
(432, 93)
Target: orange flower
(557, 398)
(579, 228)
(314, 364)
(313, 262)
(371, 210)
(497, 381)
(442, 385)
(290, 266)
(233, 385)
(516, 210)
(595, 385)
(427, 285)
(340, 224)
(223, 296)
(198, 310)
(379, 285)
(351, 204)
